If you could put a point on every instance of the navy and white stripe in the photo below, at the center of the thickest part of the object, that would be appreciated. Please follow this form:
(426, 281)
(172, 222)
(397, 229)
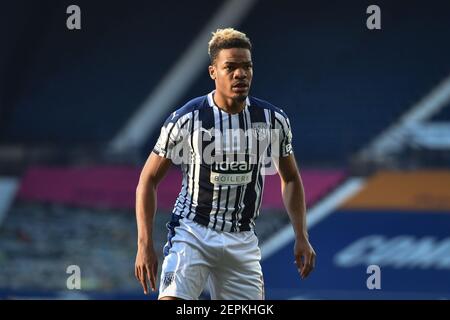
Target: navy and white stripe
(202, 128)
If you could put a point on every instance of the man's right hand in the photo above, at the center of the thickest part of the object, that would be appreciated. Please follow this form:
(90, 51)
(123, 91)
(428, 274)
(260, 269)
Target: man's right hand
(146, 267)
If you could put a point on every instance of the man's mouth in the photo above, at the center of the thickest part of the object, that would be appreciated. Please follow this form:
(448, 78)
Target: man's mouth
(241, 86)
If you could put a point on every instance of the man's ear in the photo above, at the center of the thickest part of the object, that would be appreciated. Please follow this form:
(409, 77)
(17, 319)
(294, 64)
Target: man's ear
(212, 72)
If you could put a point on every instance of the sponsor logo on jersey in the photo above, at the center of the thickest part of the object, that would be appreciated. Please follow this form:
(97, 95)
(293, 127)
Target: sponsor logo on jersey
(232, 172)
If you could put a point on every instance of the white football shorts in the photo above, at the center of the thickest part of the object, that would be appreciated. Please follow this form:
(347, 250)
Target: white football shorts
(196, 255)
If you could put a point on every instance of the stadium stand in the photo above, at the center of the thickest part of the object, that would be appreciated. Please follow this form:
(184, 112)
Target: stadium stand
(443, 115)
(399, 221)
(64, 95)
(87, 83)
(345, 83)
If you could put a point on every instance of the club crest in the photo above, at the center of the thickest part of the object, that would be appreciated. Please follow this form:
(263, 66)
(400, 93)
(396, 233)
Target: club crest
(260, 130)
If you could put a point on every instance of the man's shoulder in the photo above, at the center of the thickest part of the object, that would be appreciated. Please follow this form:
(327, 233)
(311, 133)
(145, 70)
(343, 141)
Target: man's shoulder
(260, 103)
(187, 109)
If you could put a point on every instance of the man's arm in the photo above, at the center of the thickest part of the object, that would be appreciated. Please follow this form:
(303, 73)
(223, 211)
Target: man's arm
(146, 259)
(294, 201)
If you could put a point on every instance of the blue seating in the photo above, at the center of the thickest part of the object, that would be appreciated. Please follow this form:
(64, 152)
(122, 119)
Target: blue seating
(443, 114)
(80, 87)
(340, 83)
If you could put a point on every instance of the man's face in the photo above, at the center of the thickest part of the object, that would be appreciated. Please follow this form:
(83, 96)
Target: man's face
(233, 73)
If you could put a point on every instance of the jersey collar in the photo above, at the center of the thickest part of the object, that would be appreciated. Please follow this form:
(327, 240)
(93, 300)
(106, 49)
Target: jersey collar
(212, 104)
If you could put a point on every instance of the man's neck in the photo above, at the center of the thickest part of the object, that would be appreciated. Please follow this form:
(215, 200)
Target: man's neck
(228, 105)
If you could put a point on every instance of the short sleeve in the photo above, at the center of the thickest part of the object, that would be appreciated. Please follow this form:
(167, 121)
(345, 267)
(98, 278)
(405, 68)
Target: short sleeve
(169, 137)
(285, 135)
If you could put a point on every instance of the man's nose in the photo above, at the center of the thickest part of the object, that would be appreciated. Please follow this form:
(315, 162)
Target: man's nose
(240, 73)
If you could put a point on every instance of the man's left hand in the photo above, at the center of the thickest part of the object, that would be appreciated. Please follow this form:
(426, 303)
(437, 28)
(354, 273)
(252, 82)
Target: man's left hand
(305, 256)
